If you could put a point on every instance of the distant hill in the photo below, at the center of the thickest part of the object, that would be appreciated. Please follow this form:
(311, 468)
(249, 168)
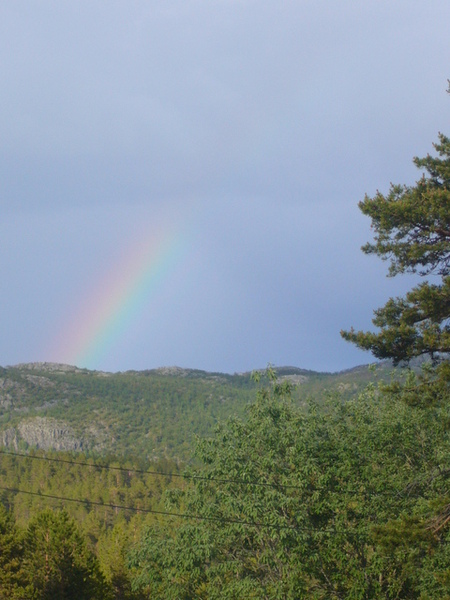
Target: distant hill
(152, 414)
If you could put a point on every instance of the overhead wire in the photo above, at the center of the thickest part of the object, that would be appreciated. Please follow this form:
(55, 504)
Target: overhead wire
(149, 472)
(392, 493)
(197, 517)
(309, 530)
(178, 515)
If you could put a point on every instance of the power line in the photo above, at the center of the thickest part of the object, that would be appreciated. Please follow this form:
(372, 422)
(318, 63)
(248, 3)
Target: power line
(145, 472)
(393, 493)
(179, 515)
(309, 530)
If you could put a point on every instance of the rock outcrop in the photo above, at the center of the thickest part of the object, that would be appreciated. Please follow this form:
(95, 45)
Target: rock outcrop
(43, 433)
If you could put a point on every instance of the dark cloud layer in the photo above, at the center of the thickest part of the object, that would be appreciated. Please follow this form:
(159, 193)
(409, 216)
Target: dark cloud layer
(256, 126)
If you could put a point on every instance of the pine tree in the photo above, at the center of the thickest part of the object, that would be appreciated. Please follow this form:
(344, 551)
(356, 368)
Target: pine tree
(14, 582)
(412, 230)
(60, 564)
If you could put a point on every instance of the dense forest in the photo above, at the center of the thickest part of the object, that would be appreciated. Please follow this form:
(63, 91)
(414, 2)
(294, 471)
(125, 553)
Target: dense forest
(179, 485)
(332, 499)
(152, 414)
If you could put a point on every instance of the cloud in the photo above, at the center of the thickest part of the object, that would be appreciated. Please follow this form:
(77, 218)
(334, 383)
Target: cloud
(256, 125)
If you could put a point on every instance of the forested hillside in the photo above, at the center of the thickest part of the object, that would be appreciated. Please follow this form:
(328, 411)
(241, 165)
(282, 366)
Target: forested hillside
(319, 500)
(102, 452)
(151, 414)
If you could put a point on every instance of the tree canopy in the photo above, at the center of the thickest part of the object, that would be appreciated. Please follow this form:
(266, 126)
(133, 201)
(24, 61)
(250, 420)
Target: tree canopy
(59, 561)
(412, 231)
(14, 579)
(336, 500)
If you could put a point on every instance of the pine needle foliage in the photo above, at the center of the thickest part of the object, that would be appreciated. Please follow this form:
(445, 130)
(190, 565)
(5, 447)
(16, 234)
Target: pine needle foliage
(412, 230)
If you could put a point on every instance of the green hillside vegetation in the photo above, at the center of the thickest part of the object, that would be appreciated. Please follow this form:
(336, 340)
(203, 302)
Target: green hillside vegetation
(146, 414)
(113, 501)
(343, 500)
(153, 414)
(111, 485)
(320, 500)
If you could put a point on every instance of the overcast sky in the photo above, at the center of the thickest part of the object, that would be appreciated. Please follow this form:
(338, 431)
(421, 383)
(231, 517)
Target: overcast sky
(180, 179)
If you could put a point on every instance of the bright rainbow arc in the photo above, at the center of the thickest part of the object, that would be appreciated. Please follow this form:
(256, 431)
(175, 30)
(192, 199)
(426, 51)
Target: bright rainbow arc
(119, 300)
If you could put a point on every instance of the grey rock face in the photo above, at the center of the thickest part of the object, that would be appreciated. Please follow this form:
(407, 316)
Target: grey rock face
(8, 390)
(39, 381)
(295, 379)
(9, 438)
(45, 433)
(47, 366)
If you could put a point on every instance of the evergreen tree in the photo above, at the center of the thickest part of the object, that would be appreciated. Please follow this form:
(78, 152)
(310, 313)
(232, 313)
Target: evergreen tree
(14, 582)
(412, 230)
(58, 560)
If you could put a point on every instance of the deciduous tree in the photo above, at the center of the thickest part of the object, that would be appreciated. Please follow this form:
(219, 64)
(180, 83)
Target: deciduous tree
(337, 504)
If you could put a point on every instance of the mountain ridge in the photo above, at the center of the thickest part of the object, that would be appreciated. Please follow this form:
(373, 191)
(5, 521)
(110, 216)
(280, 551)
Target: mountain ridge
(177, 370)
(154, 413)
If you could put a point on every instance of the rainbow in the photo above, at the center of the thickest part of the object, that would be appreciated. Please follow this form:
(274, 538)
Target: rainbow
(118, 300)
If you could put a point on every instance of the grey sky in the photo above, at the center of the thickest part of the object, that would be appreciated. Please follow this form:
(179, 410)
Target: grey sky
(254, 127)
